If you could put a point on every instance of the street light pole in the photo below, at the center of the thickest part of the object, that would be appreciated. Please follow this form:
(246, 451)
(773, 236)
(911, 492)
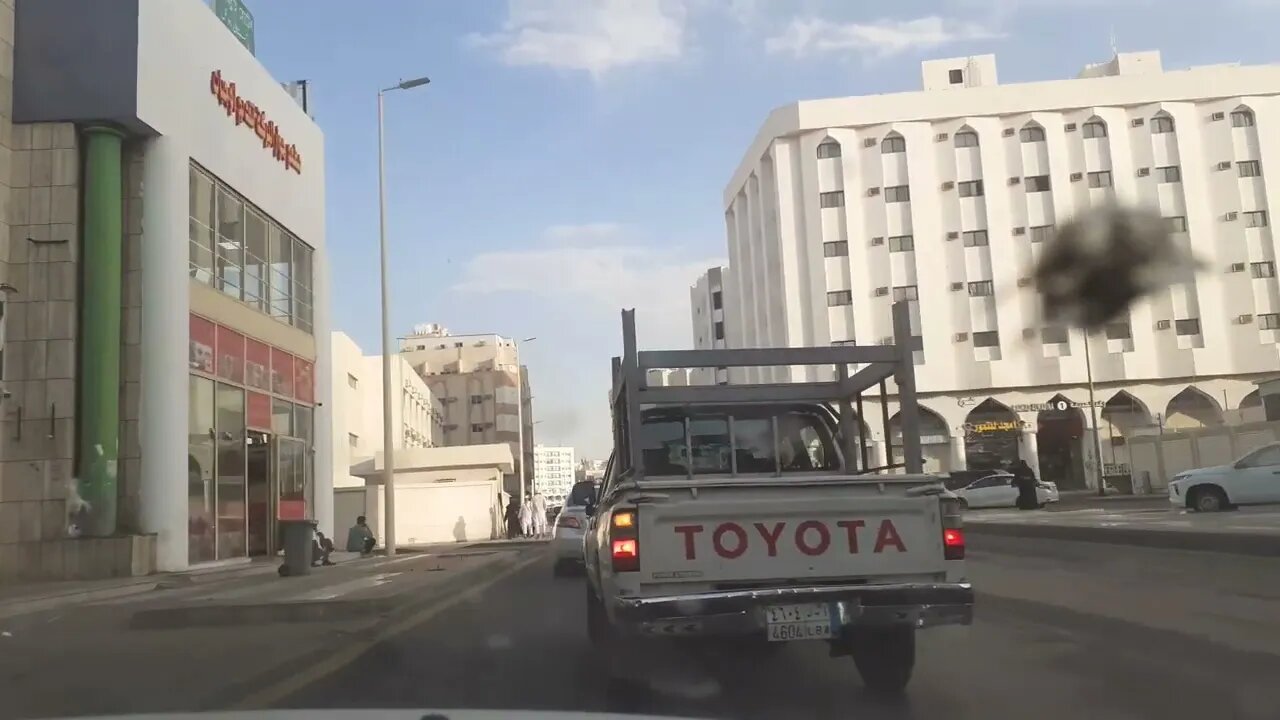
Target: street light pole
(520, 417)
(1093, 417)
(388, 440)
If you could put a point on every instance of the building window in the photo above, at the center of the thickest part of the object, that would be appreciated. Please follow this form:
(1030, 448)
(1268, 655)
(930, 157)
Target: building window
(981, 288)
(719, 330)
(1094, 129)
(832, 199)
(1040, 233)
(1249, 168)
(1169, 174)
(1100, 179)
(1269, 321)
(897, 194)
(1190, 326)
(828, 149)
(1255, 219)
(1054, 334)
(1265, 269)
(477, 428)
(352, 381)
(1241, 118)
(975, 238)
(893, 144)
(966, 138)
(1177, 223)
(717, 300)
(905, 292)
(477, 399)
(839, 298)
(837, 248)
(971, 188)
(986, 338)
(1161, 124)
(955, 77)
(237, 249)
(353, 440)
(1031, 133)
(1037, 183)
(902, 243)
(1119, 331)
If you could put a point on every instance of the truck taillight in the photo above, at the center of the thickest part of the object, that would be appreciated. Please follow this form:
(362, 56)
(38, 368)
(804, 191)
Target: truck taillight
(624, 541)
(952, 529)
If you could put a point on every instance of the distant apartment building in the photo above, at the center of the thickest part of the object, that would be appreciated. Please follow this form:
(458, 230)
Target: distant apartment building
(592, 470)
(483, 388)
(356, 381)
(708, 312)
(553, 472)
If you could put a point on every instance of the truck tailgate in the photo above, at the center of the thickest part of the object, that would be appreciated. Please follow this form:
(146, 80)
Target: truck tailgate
(763, 534)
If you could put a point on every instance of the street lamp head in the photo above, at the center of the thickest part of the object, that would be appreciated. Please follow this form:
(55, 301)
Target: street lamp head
(410, 84)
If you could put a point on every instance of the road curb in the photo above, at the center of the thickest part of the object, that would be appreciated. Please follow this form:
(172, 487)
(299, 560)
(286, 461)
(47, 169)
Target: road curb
(1255, 544)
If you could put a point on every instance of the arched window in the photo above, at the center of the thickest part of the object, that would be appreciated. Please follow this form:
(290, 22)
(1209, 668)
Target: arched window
(1242, 117)
(1161, 124)
(1094, 128)
(828, 149)
(966, 138)
(893, 143)
(1031, 133)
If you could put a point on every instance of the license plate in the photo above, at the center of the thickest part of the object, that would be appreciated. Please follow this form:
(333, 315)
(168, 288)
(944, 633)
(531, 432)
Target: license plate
(810, 621)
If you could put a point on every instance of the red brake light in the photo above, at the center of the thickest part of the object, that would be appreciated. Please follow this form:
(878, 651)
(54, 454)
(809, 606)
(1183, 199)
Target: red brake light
(953, 543)
(624, 540)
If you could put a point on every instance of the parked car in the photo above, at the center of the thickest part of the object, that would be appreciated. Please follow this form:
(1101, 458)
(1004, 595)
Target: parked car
(997, 491)
(1252, 480)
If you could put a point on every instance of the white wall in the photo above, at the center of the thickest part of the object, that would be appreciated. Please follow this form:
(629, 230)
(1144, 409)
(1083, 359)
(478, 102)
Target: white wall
(180, 44)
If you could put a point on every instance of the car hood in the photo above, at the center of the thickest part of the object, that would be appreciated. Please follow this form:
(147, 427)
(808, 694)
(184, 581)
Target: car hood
(1203, 472)
(385, 715)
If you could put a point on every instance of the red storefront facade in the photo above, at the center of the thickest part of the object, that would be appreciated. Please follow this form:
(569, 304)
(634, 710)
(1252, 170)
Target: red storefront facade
(250, 442)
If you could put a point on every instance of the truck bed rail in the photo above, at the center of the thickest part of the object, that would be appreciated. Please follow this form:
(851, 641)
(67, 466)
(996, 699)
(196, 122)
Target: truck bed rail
(857, 369)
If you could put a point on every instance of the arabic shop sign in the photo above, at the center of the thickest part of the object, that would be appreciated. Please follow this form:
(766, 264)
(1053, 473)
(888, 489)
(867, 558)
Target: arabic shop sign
(251, 116)
(994, 426)
(237, 18)
(1059, 405)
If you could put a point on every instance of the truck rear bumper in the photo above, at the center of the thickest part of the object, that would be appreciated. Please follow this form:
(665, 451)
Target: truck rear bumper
(742, 612)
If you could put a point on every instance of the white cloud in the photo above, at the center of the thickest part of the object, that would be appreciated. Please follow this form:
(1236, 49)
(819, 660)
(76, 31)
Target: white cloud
(805, 37)
(602, 269)
(595, 36)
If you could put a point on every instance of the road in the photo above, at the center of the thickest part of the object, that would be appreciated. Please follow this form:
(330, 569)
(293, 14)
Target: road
(1064, 630)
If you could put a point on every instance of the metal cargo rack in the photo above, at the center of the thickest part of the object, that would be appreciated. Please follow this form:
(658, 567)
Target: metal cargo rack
(880, 362)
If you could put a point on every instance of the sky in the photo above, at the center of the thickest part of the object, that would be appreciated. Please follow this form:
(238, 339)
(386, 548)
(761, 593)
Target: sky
(569, 156)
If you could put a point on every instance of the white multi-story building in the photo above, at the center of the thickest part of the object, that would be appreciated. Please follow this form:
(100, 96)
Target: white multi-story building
(553, 472)
(707, 309)
(356, 383)
(943, 197)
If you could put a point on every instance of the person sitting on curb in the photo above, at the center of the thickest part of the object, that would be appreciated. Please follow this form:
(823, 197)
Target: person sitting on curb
(321, 548)
(360, 538)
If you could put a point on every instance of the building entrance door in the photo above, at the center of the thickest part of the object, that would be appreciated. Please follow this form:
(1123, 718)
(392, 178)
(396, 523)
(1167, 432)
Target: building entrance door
(262, 495)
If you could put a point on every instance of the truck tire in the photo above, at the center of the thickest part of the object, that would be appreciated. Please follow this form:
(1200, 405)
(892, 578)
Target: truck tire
(885, 657)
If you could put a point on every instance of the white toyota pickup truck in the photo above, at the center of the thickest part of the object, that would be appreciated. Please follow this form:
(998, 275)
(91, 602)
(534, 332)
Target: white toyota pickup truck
(747, 511)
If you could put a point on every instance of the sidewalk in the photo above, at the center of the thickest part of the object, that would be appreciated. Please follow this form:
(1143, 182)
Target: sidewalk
(208, 644)
(1250, 531)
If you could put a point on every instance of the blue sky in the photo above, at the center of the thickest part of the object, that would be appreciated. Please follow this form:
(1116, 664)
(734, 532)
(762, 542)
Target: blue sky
(592, 139)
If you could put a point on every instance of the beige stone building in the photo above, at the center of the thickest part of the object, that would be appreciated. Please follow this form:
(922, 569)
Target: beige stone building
(482, 386)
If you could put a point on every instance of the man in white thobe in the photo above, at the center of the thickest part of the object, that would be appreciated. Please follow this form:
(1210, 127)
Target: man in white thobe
(539, 515)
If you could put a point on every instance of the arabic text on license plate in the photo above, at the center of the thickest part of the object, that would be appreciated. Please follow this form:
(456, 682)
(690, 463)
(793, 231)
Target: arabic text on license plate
(810, 621)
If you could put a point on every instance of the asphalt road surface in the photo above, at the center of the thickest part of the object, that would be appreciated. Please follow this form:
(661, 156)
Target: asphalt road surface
(1066, 630)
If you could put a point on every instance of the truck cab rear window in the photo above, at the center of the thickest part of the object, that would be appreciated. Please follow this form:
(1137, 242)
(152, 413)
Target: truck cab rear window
(802, 443)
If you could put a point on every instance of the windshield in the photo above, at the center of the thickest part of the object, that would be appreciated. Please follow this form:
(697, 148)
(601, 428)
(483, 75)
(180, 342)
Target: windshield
(581, 494)
(742, 441)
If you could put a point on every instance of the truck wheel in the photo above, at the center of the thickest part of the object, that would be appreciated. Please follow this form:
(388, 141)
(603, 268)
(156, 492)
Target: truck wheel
(885, 657)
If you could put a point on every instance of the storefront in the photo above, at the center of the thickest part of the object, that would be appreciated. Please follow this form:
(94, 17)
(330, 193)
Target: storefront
(203, 288)
(250, 448)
